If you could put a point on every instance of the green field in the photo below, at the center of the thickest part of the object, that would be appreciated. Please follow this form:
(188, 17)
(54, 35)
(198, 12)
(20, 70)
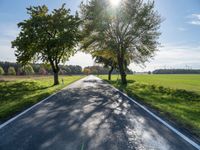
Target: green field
(176, 97)
(187, 82)
(18, 93)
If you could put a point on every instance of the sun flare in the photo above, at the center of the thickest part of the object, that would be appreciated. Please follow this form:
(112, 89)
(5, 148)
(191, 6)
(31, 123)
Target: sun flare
(114, 2)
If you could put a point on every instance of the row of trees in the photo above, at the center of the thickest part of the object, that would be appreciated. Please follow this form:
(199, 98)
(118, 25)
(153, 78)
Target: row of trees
(114, 35)
(11, 71)
(16, 70)
(176, 71)
(8, 68)
(97, 70)
(41, 69)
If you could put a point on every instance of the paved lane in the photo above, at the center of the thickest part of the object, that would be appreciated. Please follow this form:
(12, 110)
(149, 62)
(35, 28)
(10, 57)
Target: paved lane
(89, 115)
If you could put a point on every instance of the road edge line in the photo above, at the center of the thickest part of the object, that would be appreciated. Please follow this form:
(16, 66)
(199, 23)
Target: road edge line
(194, 144)
(35, 105)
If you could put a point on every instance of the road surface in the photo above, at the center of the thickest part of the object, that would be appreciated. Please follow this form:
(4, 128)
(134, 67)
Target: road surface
(89, 115)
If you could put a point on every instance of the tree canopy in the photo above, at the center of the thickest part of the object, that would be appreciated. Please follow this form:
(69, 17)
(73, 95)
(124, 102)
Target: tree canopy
(49, 37)
(130, 30)
(107, 58)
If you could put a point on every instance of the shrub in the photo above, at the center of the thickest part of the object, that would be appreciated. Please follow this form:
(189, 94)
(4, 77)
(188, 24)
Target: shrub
(86, 71)
(27, 70)
(1, 71)
(11, 71)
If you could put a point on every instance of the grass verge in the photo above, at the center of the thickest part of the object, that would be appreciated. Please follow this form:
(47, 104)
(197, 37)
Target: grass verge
(16, 94)
(178, 105)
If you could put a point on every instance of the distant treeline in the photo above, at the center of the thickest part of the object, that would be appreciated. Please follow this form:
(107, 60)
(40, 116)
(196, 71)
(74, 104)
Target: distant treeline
(176, 71)
(101, 70)
(10, 68)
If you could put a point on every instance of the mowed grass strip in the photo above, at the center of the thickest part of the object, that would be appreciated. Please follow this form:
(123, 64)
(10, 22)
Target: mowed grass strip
(177, 97)
(18, 93)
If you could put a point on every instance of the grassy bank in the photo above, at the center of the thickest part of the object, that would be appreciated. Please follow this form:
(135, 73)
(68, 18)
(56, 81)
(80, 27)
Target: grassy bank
(177, 97)
(18, 93)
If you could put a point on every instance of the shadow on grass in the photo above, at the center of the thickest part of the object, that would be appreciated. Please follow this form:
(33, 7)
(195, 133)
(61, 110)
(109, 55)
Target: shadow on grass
(178, 105)
(17, 96)
(153, 89)
(16, 91)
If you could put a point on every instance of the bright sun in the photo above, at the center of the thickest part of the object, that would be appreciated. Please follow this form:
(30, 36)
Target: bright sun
(115, 2)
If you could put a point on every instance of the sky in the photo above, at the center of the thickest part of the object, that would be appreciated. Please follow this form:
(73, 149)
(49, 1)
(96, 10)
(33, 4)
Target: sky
(180, 38)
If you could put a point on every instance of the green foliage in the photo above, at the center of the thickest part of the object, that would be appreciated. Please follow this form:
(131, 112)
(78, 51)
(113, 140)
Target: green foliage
(71, 70)
(86, 71)
(50, 37)
(174, 96)
(106, 57)
(68, 69)
(129, 30)
(1, 71)
(27, 70)
(20, 93)
(11, 71)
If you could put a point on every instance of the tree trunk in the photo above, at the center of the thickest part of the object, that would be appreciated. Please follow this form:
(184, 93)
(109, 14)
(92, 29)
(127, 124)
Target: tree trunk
(110, 72)
(56, 81)
(123, 77)
(56, 70)
(122, 70)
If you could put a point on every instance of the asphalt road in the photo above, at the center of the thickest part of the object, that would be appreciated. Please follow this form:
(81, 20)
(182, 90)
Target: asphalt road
(89, 115)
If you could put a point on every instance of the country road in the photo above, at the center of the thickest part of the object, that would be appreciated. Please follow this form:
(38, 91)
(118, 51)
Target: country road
(89, 115)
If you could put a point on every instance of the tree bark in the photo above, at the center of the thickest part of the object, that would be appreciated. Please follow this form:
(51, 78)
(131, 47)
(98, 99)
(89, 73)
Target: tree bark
(110, 72)
(56, 81)
(123, 77)
(56, 70)
(122, 70)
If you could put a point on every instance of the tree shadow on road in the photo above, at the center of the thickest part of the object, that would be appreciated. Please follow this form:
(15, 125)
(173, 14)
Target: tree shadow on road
(93, 117)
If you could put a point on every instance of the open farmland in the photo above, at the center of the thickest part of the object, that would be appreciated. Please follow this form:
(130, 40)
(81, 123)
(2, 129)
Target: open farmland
(187, 82)
(177, 97)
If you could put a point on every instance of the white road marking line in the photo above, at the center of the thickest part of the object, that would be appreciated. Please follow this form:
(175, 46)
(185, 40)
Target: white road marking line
(160, 120)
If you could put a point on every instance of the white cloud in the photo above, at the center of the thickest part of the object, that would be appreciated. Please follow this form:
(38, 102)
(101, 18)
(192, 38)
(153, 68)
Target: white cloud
(8, 33)
(9, 30)
(182, 29)
(195, 19)
(6, 52)
(173, 56)
(81, 59)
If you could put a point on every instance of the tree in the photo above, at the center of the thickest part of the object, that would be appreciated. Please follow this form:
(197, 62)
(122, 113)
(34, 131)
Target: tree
(86, 71)
(108, 58)
(50, 37)
(11, 71)
(68, 70)
(1, 71)
(28, 70)
(129, 29)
